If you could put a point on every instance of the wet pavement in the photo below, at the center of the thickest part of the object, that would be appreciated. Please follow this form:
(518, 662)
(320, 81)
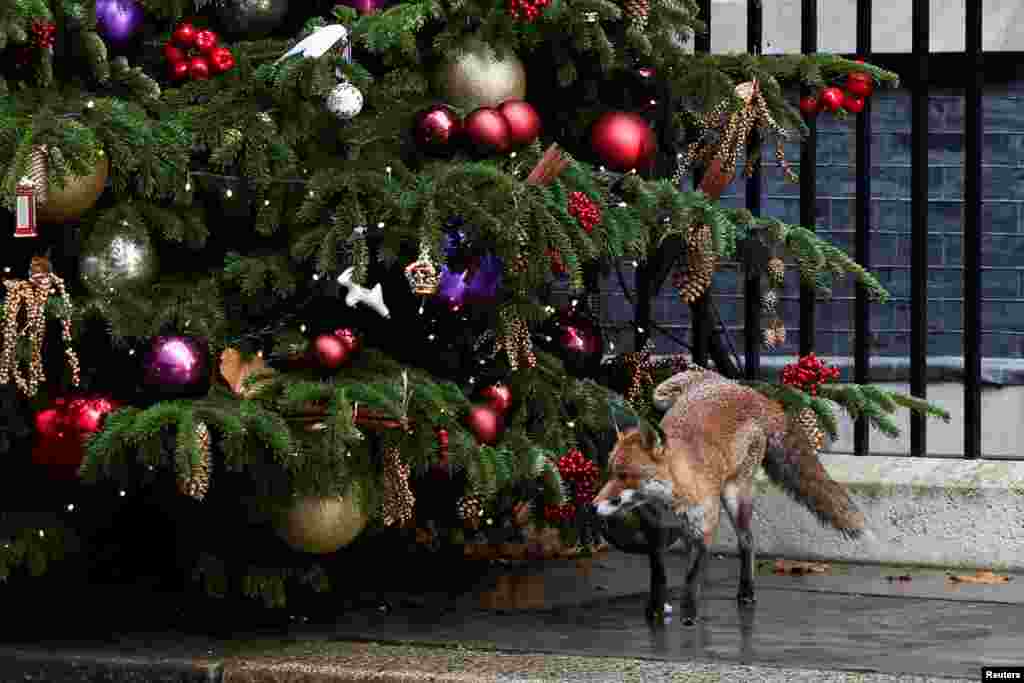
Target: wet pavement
(869, 619)
(856, 618)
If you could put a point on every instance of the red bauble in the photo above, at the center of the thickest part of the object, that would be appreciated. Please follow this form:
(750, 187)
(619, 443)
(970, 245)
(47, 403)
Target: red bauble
(184, 35)
(485, 423)
(498, 397)
(860, 84)
(623, 141)
(523, 121)
(831, 99)
(206, 40)
(436, 129)
(809, 105)
(198, 68)
(178, 70)
(487, 130)
(173, 54)
(853, 103)
(330, 351)
(62, 429)
(221, 60)
(349, 339)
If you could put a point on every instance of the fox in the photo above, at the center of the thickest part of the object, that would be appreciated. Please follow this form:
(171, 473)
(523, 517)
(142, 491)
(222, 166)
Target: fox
(676, 478)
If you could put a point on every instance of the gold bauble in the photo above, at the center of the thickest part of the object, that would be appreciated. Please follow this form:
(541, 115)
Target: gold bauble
(321, 525)
(79, 194)
(479, 79)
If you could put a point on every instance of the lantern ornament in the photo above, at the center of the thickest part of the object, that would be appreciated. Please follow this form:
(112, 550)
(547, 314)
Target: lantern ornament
(25, 208)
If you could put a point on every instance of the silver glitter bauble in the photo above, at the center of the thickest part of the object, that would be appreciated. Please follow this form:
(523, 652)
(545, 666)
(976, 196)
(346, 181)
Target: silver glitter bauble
(345, 101)
(121, 260)
(250, 18)
(479, 79)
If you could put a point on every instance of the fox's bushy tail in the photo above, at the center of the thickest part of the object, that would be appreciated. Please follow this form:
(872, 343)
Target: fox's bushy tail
(795, 467)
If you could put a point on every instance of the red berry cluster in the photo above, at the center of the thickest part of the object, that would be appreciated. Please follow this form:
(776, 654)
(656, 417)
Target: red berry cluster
(586, 211)
(44, 33)
(559, 513)
(859, 86)
(195, 54)
(527, 10)
(808, 374)
(581, 472)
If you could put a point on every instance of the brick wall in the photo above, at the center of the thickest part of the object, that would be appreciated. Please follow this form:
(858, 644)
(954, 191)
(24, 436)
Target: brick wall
(1003, 232)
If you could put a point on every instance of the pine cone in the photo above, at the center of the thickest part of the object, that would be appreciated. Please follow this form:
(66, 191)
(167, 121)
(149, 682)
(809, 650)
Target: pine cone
(776, 271)
(814, 435)
(769, 300)
(774, 334)
(700, 252)
(398, 498)
(470, 509)
(636, 12)
(198, 481)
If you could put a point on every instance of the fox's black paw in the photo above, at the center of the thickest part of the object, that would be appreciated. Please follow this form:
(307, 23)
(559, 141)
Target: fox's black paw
(689, 621)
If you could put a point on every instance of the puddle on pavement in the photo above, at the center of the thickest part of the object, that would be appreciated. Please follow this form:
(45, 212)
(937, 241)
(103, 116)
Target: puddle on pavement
(525, 590)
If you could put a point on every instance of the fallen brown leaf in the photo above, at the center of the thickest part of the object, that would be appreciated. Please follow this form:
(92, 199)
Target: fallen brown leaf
(980, 576)
(799, 567)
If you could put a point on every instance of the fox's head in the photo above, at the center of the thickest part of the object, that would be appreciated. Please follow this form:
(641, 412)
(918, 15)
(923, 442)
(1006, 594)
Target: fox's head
(633, 480)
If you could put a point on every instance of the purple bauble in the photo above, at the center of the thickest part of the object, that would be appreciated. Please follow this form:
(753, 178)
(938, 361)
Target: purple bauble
(177, 366)
(452, 288)
(118, 20)
(366, 6)
(485, 280)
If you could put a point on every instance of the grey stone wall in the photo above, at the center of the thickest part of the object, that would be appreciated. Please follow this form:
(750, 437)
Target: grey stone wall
(1003, 238)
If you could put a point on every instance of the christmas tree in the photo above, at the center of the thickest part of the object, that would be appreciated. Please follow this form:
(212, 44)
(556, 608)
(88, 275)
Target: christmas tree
(299, 259)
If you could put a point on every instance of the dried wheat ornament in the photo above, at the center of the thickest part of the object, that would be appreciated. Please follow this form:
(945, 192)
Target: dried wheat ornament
(32, 295)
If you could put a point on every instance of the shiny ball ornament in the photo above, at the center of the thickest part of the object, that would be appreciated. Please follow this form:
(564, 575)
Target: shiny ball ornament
(853, 103)
(366, 6)
(578, 341)
(198, 69)
(177, 367)
(488, 131)
(349, 339)
(498, 397)
(118, 261)
(486, 424)
(623, 141)
(437, 129)
(860, 84)
(117, 21)
(330, 351)
(321, 525)
(345, 101)
(250, 18)
(479, 79)
(809, 105)
(831, 99)
(523, 121)
(78, 195)
(61, 430)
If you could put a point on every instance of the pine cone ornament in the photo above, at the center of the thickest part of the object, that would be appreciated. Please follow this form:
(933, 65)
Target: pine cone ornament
(198, 481)
(398, 498)
(700, 253)
(635, 12)
(808, 421)
(776, 271)
(769, 301)
(470, 510)
(775, 334)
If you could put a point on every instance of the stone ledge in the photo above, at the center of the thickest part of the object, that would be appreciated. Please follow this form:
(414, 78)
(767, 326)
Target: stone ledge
(922, 511)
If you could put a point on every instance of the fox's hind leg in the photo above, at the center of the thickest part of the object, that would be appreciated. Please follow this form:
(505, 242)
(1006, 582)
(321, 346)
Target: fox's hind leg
(738, 501)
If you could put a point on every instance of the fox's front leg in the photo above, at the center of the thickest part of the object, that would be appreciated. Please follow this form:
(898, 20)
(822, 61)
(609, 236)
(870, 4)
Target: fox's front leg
(659, 581)
(702, 520)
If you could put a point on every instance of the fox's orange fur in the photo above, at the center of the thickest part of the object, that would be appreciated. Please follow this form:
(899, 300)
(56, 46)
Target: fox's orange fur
(716, 433)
